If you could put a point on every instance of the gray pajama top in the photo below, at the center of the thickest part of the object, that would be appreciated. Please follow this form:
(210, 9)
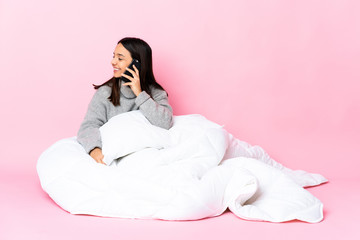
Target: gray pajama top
(156, 109)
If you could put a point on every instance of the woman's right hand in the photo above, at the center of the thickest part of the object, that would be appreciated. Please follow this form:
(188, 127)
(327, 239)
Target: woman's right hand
(97, 155)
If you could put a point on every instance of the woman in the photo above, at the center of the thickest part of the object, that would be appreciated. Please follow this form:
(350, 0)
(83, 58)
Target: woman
(116, 96)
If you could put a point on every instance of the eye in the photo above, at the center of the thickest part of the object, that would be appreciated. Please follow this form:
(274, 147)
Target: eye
(118, 58)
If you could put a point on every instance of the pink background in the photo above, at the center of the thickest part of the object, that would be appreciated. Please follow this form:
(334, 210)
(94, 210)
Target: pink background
(280, 74)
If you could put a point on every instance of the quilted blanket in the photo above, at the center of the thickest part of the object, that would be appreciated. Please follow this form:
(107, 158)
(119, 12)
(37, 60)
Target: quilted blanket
(192, 171)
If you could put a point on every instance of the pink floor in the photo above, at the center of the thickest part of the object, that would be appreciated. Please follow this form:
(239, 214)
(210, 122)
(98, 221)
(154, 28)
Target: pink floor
(28, 213)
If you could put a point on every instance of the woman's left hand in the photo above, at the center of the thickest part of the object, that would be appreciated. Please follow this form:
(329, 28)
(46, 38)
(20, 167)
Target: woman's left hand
(135, 80)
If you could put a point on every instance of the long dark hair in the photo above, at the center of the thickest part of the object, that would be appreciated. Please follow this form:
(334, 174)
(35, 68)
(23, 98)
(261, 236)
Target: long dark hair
(141, 51)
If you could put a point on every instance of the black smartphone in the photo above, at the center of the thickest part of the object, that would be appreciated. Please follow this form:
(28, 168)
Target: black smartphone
(137, 65)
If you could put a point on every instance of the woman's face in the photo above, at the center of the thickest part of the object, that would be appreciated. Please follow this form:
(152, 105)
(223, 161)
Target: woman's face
(121, 60)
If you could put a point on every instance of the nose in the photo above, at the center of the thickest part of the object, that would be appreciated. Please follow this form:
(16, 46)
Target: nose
(113, 62)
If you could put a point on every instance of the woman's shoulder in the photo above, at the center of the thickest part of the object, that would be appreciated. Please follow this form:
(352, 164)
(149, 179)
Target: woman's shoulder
(102, 94)
(104, 90)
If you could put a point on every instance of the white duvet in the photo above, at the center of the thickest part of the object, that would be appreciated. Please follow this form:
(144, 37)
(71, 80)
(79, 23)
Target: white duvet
(192, 171)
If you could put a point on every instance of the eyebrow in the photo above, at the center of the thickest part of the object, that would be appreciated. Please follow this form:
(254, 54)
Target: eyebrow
(119, 54)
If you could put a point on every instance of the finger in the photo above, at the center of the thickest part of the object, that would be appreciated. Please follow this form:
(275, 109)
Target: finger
(136, 70)
(131, 71)
(100, 161)
(127, 76)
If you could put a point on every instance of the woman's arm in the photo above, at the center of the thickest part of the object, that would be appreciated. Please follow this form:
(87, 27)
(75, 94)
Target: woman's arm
(89, 134)
(157, 109)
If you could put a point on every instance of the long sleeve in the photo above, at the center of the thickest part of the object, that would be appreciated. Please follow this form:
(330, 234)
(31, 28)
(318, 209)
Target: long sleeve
(157, 109)
(89, 134)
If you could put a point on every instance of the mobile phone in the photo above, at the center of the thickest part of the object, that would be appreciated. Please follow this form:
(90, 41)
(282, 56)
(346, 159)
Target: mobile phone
(131, 66)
